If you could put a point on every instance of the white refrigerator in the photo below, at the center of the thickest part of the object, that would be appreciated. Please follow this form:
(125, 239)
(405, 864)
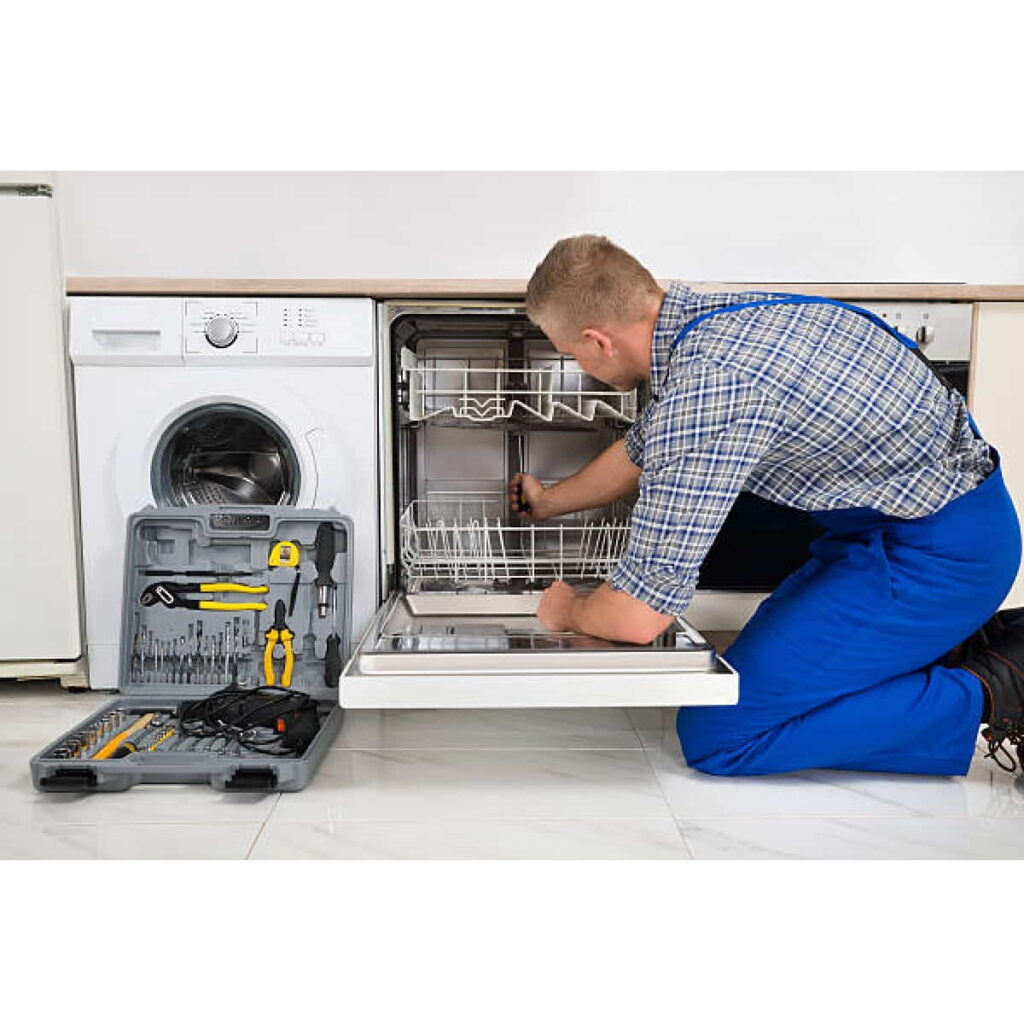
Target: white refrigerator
(40, 608)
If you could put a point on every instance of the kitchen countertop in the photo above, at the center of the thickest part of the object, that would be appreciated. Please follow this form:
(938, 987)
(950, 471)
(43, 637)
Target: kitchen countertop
(509, 289)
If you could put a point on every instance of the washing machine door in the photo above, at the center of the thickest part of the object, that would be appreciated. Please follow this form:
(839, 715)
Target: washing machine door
(222, 438)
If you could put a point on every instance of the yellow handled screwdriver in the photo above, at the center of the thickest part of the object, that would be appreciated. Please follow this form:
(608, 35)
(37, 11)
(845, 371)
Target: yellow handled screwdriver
(108, 748)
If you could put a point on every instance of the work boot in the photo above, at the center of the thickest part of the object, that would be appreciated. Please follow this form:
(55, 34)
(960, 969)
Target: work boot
(985, 636)
(994, 655)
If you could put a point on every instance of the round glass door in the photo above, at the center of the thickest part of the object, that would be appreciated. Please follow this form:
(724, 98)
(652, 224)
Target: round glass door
(225, 455)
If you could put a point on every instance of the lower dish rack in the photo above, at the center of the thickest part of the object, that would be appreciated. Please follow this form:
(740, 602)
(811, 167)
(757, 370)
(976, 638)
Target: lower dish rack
(462, 537)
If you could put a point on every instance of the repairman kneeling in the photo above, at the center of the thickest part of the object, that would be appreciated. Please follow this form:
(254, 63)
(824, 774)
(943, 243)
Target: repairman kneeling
(859, 659)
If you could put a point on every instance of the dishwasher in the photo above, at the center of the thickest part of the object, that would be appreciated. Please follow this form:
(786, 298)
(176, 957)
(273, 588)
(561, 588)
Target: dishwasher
(470, 395)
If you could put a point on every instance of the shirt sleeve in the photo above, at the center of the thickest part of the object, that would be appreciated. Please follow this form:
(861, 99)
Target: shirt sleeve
(635, 435)
(701, 441)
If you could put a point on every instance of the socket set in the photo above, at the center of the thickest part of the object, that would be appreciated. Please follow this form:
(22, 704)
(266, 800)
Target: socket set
(235, 628)
(118, 733)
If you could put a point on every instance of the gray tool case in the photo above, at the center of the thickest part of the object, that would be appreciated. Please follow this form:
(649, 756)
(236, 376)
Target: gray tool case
(172, 655)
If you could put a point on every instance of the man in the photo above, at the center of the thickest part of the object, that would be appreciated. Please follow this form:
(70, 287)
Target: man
(819, 406)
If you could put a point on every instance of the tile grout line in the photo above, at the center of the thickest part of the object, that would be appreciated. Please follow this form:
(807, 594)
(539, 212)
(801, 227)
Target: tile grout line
(661, 790)
(263, 825)
(682, 836)
(256, 839)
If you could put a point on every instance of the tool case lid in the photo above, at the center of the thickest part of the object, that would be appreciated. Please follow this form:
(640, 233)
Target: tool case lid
(232, 539)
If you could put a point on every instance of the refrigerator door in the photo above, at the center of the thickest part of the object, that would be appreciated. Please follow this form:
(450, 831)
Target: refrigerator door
(484, 651)
(39, 606)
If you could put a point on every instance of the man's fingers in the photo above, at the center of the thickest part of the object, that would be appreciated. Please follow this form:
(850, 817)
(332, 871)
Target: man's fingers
(516, 489)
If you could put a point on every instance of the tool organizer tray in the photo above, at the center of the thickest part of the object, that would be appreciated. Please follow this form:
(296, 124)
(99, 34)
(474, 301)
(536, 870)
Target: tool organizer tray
(182, 641)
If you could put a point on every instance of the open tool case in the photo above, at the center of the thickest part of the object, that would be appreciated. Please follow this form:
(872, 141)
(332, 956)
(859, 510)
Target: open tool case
(173, 655)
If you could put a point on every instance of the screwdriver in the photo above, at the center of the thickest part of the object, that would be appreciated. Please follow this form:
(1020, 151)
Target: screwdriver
(324, 565)
(332, 660)
(108, 749)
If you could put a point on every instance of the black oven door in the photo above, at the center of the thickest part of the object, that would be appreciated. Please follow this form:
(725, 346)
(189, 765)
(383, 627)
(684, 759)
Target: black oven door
(759, 545)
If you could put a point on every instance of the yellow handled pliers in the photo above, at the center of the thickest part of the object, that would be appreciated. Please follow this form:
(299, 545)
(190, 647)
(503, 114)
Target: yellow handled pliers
(279, 633)
(175, 595)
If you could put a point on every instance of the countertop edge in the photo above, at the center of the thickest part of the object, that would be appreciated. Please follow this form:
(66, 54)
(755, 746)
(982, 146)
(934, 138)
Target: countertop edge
(511, 289)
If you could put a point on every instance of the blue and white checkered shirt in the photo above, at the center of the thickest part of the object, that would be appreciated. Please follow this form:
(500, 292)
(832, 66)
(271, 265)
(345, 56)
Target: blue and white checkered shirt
(810, 406)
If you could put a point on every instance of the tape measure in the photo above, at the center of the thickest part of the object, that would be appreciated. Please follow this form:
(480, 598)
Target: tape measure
(284, 553)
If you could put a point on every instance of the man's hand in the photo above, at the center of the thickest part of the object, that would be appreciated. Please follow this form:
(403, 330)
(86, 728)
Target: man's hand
(606, 479)
(555, 608)
(527, 495)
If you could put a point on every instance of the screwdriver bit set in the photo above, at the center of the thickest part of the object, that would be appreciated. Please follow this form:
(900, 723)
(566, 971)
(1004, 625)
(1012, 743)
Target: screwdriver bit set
(218, 605)
(211, 659)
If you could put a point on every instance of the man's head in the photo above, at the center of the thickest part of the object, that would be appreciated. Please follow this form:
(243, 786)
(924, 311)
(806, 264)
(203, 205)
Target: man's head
(599, 305)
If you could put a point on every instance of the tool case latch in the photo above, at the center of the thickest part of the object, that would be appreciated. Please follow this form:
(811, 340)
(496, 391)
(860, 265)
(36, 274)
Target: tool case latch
(70, 780)
(252, 778)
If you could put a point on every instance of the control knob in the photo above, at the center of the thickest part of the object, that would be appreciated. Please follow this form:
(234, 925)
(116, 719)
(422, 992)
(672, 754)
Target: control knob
(924, 335)
(221, 331)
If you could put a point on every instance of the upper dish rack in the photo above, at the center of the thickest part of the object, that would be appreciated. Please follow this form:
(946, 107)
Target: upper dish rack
(462, 537)
(483, 389)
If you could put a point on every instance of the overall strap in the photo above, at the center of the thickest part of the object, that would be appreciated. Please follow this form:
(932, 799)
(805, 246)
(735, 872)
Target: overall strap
(786, 299)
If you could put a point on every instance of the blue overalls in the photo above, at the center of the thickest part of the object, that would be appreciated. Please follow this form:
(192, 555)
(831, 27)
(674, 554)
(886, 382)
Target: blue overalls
(830, 665)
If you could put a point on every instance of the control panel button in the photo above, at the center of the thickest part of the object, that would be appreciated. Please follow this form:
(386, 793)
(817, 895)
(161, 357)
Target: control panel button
(221, 331)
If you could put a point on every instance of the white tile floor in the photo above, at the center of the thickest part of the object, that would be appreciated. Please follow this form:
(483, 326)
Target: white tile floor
(501, 784)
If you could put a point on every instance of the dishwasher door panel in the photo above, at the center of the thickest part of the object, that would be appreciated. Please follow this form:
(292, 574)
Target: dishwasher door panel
(488, 651)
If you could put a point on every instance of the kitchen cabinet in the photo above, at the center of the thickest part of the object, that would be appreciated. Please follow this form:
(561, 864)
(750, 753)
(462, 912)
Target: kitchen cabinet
(997, 373)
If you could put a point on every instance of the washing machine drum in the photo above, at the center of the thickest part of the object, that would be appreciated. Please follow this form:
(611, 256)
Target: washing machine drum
(225, 455)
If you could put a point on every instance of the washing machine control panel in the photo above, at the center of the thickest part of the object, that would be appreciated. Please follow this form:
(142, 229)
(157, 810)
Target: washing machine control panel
(286, 331)
(212, 326)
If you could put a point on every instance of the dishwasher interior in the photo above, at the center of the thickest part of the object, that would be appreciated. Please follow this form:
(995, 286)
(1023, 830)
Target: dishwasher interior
(477, 398)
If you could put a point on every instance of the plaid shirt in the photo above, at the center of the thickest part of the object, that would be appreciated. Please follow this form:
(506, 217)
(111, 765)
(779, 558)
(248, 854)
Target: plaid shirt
(810, 406)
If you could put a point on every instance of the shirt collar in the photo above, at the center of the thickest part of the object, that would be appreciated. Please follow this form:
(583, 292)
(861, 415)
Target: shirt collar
(674, 314)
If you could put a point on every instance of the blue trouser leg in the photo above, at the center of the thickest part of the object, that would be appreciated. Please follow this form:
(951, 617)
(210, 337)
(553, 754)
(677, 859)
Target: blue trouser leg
(837, 668)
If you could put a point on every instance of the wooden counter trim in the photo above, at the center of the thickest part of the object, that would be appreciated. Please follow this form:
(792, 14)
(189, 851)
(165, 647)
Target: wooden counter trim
(476, 288)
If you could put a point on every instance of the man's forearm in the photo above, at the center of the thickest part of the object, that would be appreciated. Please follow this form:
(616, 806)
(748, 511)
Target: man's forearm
(615, 615)
(606, 479)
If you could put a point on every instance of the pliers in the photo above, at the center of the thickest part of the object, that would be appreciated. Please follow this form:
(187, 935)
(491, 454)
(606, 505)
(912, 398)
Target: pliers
(174, 595)
(279, 633)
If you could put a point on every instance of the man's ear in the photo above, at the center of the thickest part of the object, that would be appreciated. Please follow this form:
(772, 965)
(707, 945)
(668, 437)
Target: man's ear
(600, 338)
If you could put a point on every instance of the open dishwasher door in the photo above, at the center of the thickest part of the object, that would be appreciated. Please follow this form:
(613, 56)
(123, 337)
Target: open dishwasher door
(490, 651)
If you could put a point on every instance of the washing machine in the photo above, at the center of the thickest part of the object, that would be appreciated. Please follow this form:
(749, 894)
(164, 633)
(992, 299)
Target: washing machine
(227, 401)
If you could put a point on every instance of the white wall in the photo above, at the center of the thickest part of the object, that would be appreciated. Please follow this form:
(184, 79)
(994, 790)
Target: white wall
(741, 226)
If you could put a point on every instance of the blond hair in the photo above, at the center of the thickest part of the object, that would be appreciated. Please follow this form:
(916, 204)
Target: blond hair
(588, 281)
